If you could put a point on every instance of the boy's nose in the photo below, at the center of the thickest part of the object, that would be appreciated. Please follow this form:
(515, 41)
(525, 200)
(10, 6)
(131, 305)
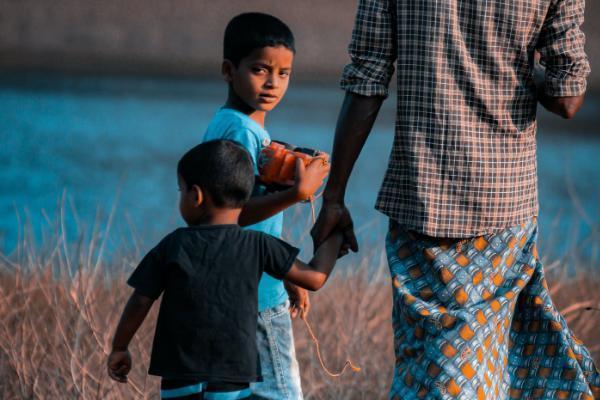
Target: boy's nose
(272, 81)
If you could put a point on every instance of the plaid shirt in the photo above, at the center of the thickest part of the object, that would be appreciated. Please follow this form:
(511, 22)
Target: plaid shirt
(463, 161)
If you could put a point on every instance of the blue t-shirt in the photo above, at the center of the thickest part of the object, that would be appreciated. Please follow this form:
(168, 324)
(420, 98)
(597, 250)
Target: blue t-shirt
(234, 125)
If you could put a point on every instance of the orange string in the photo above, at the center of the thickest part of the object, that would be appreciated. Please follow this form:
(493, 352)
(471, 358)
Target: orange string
(347, 364)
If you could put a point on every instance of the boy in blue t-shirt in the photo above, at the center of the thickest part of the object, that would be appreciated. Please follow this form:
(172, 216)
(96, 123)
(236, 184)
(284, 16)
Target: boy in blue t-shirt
(258, 57)
(208, 273)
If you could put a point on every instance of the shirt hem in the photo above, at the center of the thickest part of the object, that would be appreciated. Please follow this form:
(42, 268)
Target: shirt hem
(284, 298)
(454, 234)
(206, 377)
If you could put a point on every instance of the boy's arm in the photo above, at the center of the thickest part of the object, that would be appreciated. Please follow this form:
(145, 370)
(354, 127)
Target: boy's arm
(312, 276)
(119, 360)
(308, 181)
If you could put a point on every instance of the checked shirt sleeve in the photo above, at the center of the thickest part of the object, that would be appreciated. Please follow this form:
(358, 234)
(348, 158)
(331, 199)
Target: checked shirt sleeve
(561, 46)
(372, 49)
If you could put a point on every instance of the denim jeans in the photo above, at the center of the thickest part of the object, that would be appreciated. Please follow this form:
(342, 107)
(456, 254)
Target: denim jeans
(275, 340)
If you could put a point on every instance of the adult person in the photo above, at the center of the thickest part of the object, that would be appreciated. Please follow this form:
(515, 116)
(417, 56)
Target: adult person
(472, 315)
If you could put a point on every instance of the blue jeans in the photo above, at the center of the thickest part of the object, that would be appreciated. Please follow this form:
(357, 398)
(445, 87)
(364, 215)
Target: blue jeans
(275, 340)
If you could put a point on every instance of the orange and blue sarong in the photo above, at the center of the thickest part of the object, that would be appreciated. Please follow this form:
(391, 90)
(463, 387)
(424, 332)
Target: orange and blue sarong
(474, 320)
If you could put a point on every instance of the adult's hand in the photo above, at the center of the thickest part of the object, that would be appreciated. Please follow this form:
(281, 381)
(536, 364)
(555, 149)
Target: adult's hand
(334, 215)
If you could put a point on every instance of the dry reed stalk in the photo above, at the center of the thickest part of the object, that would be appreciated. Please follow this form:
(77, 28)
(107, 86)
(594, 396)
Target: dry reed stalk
(59, 305)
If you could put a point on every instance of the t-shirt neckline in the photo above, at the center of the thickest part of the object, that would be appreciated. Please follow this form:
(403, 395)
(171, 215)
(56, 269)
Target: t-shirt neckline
(215, 226)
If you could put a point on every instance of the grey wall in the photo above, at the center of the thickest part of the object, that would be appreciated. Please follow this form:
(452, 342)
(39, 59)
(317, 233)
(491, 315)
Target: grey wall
(180, 36)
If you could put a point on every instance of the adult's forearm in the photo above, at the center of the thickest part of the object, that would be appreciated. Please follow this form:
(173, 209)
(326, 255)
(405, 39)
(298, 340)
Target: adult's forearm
(566, 107)
(354, 125)
(133, 315)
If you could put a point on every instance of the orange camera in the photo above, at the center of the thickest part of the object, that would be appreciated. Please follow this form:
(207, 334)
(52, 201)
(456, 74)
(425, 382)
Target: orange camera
(277, 163)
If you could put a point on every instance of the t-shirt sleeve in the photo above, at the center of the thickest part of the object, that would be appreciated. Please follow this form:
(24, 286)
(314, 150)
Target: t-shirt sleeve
(278, 256)
(249, 140)
(149, 276)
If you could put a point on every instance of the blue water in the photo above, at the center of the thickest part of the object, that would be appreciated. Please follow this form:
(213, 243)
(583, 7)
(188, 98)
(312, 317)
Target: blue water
(99, 142)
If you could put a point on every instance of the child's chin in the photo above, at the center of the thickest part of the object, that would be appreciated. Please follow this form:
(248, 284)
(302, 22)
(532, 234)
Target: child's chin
(266, 107)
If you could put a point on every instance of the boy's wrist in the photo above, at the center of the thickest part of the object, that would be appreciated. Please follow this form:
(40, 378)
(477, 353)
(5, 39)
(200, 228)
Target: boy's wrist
(298, 194)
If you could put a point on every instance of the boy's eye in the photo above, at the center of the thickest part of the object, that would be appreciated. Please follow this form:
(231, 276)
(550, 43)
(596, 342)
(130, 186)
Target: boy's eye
(284, 73)
(259, 70)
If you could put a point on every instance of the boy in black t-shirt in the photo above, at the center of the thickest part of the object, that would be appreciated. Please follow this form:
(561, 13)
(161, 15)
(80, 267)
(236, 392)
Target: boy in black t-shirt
(204, 345)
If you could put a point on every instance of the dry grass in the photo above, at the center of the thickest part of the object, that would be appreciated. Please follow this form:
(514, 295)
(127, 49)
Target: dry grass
(59, 304)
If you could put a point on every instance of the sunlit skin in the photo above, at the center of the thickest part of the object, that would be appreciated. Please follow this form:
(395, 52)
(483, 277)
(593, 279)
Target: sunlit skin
(259, 82)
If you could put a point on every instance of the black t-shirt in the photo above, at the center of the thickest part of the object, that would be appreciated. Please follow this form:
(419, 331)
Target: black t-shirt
(206, 325)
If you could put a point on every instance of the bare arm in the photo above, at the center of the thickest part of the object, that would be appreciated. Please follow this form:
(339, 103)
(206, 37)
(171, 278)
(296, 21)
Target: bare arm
(119, 360)
(312, 276)
(566, 107)
(259, 208)
(354, 125)
(134, 314)
(308, 181)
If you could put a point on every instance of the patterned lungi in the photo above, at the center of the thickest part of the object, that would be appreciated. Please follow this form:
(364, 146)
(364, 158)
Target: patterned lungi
(475, 320)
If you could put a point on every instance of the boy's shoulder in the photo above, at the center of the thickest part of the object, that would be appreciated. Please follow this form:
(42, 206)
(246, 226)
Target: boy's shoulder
(228, 117)
(231, 124)
(190, 237)
(186, 236)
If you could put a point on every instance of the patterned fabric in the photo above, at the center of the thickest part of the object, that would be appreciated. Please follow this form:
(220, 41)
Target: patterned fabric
(479, 323)
(463, 161)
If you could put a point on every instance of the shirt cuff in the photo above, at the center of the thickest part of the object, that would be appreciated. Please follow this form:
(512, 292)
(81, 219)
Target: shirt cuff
(366, 80)
(564, 87)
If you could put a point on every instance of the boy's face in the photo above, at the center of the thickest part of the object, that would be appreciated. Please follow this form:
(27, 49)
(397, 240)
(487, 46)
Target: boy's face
(261, 79)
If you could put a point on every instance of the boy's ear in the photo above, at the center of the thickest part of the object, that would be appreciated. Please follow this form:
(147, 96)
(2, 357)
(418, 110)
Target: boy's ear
(227, 69)
(198, 195)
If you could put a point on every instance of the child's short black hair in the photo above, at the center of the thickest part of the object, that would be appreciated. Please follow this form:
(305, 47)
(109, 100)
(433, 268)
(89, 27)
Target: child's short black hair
(222, 168)
(251, 31)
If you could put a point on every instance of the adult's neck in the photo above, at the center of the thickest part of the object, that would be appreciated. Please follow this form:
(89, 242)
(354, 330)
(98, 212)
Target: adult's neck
(234, 102)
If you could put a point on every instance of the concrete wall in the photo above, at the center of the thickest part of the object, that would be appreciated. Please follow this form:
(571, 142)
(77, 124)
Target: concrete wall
(180, 36)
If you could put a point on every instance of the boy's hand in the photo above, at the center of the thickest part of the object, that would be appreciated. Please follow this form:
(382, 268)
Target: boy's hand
(311, 177)
(119, 365)
(299, 301)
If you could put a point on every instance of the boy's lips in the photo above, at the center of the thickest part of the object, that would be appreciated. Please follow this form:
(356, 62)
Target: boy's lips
(267, 98)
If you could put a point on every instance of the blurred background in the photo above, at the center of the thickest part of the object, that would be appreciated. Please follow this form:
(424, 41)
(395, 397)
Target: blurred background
(99, 99)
